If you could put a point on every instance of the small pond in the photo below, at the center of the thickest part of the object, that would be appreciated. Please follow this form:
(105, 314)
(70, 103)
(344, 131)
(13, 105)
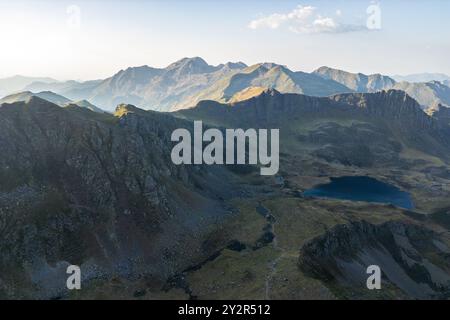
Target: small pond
(361, 188)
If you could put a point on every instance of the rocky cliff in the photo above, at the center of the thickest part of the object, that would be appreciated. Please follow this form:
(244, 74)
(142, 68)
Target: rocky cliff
(355, 128)
(411, 258)
(99, 191)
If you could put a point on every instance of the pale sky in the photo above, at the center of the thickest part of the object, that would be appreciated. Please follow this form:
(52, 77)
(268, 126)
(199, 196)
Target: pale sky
(95, 39)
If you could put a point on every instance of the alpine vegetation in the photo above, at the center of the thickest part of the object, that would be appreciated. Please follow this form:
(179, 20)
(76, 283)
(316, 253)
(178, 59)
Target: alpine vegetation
(237, 147)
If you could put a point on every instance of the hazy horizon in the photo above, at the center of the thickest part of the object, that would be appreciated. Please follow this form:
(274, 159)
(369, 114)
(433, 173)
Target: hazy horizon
(87, 40)
(164, 66)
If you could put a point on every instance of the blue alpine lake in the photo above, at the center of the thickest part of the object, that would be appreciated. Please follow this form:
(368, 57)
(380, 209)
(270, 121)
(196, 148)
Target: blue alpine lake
(361, 188)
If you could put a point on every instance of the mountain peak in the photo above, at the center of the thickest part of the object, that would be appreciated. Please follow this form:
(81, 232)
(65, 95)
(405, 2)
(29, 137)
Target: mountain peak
(190, 65)
(233, 65)
(35, 103)
(323, 69)
(139, 68)
(358, 82)
(124, 109)
(140, 74)
(264, 67)
(271, 92)
(84, 104)
(34, 100)
(191, 60)
(327, 70)
(428, 94)
(268, 65)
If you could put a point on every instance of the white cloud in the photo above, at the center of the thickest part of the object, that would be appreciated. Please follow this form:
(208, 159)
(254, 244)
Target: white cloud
(302, 13)
(275, 20)
(325, 24)
(304, 19)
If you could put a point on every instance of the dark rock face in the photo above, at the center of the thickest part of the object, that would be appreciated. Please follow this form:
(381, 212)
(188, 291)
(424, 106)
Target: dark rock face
(412, 258)
(100, 192)
(348, 145)
(442, 114)
(394, 104)
(383, 124)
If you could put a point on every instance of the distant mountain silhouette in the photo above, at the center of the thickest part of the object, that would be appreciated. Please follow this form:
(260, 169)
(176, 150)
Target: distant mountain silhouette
(188, 81)
(160, 89)
(50, 97)
(429, 94)
(18, 83)
(46, 95)
(71, 89)
(422, 77)
(358, 82)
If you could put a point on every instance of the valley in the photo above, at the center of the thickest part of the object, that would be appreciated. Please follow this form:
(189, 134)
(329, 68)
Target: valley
(155, 230)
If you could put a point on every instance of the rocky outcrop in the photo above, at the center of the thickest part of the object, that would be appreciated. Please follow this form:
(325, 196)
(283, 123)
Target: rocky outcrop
(395, 105)
(381, 123)
(442, 114)
(411, 258)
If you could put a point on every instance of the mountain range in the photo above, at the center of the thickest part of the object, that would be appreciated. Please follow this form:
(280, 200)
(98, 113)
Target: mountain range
(429, 94)
(422, 77)
(184, 83)
(74, 89)
(18, 83)
(50, 97)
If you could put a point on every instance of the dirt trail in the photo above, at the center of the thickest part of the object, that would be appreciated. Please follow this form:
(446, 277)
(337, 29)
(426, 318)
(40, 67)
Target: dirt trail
(273, 264)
